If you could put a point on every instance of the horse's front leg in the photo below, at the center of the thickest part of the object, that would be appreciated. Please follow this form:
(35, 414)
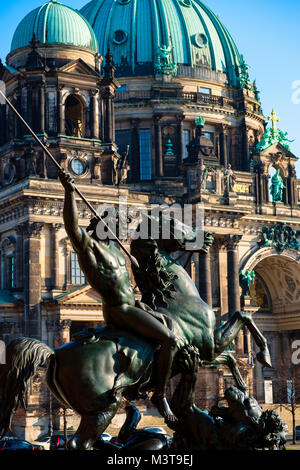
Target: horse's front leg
(225, 334)
(229, 360)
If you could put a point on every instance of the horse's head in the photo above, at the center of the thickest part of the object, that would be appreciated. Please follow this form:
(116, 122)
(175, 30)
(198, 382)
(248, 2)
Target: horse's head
(171, 234)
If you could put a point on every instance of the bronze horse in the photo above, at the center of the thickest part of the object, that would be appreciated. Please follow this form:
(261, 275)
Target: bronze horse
(96, 369)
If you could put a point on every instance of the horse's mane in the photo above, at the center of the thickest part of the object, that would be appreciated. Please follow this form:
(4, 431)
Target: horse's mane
(152, 278)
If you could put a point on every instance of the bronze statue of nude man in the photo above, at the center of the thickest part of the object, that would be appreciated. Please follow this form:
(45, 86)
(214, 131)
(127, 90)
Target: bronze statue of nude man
(104, 267)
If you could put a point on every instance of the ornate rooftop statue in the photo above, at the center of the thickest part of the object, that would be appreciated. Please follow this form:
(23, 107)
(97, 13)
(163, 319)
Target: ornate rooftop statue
(273, 135)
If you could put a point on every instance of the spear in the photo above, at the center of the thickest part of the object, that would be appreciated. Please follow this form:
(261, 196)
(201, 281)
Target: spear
(40, 143)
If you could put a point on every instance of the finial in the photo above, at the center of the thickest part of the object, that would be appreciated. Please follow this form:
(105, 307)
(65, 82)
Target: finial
(274, 118)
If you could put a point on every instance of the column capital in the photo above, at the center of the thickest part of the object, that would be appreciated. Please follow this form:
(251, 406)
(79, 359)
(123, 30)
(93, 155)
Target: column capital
(156, 118)
(94, 92)
(180, 118)
(33, 230)
(220, 244)
(232, 241)
(56, 227)
(62, 325)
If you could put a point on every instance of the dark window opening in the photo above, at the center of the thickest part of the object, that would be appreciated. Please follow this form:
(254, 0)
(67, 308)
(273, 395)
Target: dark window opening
(74, 117)
(10, 272)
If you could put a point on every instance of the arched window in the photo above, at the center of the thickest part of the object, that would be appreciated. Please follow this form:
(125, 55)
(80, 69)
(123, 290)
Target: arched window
(74, 116)
(8, 263)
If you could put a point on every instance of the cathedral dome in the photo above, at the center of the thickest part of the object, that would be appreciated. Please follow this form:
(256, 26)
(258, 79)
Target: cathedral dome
(54, 23)
(136, 31)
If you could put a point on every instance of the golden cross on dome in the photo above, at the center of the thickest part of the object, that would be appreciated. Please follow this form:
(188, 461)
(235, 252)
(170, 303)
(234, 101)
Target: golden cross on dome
(274, 118)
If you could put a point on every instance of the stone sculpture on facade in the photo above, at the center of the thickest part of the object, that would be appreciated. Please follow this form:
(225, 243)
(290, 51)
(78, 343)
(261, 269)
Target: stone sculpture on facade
(246, 279)
(277, 187)
(281, 236)
(121, 168)
(164, 64)
(229, 180)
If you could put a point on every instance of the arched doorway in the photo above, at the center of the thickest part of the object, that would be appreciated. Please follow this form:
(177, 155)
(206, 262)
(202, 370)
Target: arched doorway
(274, 302)
(74, 116)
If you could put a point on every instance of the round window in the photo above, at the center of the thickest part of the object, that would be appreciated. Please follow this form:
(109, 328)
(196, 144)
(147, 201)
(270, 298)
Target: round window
(77, 166)
(123, 2)
(120, 37)
(186, 3)
(200, 40)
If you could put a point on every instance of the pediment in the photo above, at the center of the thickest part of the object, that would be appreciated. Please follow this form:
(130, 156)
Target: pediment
(79, 67)
(278, 148)
(83, 295)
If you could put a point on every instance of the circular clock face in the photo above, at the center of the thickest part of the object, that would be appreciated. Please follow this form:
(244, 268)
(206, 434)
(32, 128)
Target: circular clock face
(77, 166)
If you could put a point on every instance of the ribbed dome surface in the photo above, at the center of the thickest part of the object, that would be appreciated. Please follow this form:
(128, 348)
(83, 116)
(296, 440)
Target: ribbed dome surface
(136, 29)
(54, 23)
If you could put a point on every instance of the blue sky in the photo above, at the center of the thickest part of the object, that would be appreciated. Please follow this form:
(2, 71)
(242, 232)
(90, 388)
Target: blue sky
(265, 31)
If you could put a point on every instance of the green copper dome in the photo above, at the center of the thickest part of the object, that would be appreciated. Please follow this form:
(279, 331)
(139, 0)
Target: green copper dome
(54, 23)
(136, 30)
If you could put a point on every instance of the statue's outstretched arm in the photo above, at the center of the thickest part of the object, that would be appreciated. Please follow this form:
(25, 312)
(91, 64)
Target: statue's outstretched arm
(70, 210)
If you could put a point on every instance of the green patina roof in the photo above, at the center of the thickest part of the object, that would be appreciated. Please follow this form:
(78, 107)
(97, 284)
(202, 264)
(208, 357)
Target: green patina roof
(6, 297)
(135, 29)
(54, 23)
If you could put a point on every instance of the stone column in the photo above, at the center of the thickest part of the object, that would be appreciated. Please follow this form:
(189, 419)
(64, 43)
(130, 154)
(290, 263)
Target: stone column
(62, 332)
(42, 104)
(61, 127)
(19, 108)
(232, 242)
(292, 186)
(108, 97)
(223, 145)
(32, 279)
(205, 287)
(3, 124)
(20, 256)
(67, 250)
(29, 108)
(245, 147)
(233, 286)
(180, 151)
(94, 114)
(158, 146)
(221, 256)
(54, 228)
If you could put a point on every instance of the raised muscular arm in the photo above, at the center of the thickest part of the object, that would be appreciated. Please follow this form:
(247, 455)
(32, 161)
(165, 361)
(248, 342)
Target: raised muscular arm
(76, 234)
